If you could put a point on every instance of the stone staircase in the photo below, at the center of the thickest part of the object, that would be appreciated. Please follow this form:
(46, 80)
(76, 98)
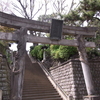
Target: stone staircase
(36, 85)
(4, 79)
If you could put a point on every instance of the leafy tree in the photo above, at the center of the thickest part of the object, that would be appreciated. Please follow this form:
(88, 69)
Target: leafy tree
(62, 52)
(65, 52)
(88, 10)
(93, 53)
(3, 47)
(47, 18)
(54, 49)
(37, 52)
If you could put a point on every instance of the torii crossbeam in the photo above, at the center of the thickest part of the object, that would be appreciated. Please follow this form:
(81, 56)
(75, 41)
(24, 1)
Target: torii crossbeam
(17, 22)
(34, 39)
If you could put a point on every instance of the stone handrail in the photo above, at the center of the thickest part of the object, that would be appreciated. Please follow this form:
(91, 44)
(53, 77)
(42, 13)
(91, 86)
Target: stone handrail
(54, 83)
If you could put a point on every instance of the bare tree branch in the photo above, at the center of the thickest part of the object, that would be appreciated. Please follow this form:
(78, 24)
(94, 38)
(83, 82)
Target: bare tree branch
(27, 7)
(55, 6)
(31, 8)
(37, 11)
(72, 4)
(24, 8)
(15, 6)
(19, 12)
(46, 4)
(62, 5)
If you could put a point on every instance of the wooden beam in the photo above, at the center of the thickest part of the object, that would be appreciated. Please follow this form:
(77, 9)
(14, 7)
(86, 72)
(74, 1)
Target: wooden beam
(8, 36)
(34, 39)
(18, 22)
(44, 40)
(61, 42)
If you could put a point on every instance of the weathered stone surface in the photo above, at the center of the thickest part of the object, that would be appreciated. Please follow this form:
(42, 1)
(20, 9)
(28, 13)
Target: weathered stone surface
(70, 77)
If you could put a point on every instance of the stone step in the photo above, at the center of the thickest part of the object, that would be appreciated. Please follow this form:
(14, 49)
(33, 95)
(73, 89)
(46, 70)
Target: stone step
(36, 84)
(40, 94)
(43, 97)
(38, 91)
(39, 88)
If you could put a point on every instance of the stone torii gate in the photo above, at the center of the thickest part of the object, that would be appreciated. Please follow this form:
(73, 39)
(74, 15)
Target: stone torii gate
(22, 37)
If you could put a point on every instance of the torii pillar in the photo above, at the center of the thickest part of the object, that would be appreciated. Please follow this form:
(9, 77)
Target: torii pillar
(20, 67)
(86, 70)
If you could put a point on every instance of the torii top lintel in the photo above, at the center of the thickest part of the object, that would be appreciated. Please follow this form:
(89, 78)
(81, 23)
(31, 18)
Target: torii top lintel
(18, 22)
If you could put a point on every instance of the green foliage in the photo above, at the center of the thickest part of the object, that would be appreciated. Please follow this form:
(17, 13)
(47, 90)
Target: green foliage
(73, 16)
(88, 14)
(47, 18)
(2, 49)
(68, 37)
(4, 44)
(37, 52)
(65, 52)
(54, 51)
(48, 51)
(62, 52)
(54, 47)
(88, 10)
(93, 53)
(4, 52)
(93, 5)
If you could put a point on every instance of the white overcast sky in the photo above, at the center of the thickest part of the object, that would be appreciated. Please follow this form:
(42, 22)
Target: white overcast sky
(38, 3)
(41, 12)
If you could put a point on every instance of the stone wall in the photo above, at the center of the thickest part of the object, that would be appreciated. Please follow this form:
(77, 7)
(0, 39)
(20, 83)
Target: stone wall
(4, 79)
(69, 76)
(95, 70)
